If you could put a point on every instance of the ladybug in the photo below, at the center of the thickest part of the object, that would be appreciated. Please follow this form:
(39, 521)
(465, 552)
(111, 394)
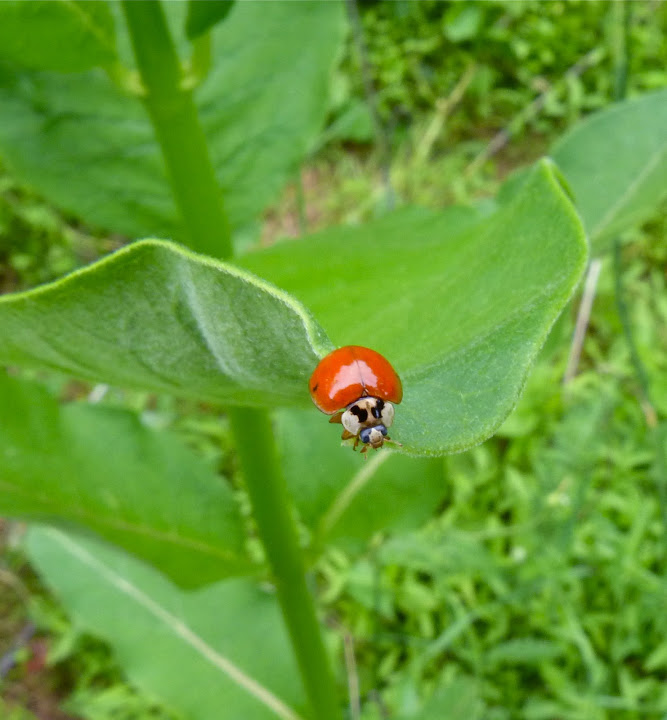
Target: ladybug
(357, 386)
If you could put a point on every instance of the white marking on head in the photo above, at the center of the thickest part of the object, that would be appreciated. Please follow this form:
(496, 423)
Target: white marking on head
(363, 414)
(387, 414)
(351, 422)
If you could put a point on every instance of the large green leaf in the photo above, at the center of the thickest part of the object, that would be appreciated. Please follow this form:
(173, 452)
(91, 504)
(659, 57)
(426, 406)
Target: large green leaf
(202, 16)
(99, 468)
(344, 500)
(156, 316)
(220, 652)
(459, 305)
(616, 164)
(60, 35)
(89, 147)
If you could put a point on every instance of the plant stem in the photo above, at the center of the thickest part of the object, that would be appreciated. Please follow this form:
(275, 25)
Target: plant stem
(176, 123)
(271, 507)
(583, 316)
(620, 21)
(657, 431)
(381, 134)
(199, 198)
(646, 402)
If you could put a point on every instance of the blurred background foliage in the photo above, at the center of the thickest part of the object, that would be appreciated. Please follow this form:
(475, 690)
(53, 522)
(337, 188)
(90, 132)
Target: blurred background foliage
(418, 51)
(539, 590)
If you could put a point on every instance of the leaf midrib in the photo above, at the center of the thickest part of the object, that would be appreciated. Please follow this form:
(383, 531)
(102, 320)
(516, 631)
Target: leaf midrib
(89, 25)
(177, 627)
(629, 192)
(51, 505)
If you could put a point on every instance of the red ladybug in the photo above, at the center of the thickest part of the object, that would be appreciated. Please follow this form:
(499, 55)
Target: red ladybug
(357, 386)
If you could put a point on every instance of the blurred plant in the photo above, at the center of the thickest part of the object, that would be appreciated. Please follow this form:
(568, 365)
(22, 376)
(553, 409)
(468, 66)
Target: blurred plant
(35, 245)
(146, 545)
(419, 51)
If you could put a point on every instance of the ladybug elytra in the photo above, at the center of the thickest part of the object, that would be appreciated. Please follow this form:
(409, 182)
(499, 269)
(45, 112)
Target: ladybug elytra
(358, 387)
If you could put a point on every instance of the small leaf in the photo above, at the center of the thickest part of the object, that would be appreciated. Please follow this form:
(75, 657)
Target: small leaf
(439, 553)
(459, 305)
(656, 659)
(344, 499)
(460, 699)
(202, 16)
(523, 651)
(616, 164)
(157, 317)
(90, 148)
(99, 468)
(197, 652)
(61, 35)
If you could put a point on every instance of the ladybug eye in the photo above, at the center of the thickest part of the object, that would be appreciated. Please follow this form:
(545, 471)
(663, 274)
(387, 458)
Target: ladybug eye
(365, 435)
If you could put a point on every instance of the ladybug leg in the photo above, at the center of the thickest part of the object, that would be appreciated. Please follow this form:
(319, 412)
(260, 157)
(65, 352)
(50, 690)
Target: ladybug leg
(347, 435)
(336, 417)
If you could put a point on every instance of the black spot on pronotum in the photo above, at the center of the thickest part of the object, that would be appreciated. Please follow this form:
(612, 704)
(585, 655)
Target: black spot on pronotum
(361, 414)
(377, 410)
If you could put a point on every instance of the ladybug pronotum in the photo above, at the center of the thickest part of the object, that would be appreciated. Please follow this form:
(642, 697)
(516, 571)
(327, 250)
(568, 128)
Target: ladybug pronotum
(358, 388)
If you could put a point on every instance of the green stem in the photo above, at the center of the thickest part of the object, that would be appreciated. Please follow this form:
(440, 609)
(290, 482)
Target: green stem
(620, 22)
(271, 508)
(638, 366)
(199, 198)
(302, 215)
(176, 123)
(381, 134)
(657, 431)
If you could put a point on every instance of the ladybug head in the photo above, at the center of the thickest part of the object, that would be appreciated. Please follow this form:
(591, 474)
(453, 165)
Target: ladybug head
(373, 436)
(368, 419)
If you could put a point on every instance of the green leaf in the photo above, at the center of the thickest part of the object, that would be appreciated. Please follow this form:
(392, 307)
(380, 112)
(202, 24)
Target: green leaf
(459, 305)
(616, 164)
(345, 500)
(89, 147)
(197, 652)
(442, 553)
(459, 699)
(461, 310)
(60, 35)
(202, 16)
(523, 651)
(157, 317)
(100, 469)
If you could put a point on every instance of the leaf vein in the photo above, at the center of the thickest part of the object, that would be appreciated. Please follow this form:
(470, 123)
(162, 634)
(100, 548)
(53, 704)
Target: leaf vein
(178, 628)
(51, 504)
(89, 24)
(629, 191)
